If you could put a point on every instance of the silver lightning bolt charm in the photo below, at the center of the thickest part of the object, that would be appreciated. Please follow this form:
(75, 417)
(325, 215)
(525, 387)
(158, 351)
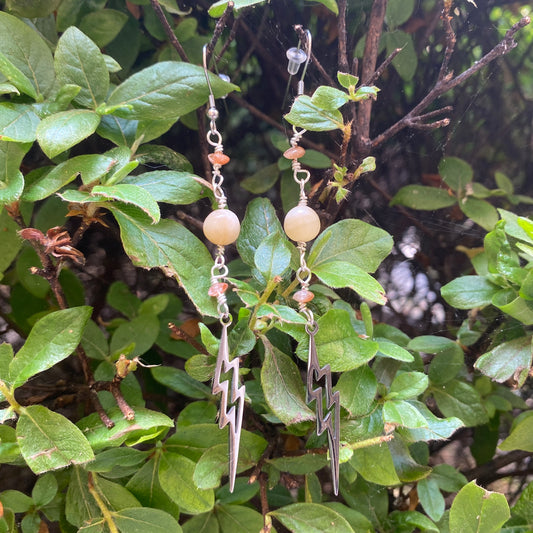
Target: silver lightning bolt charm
(233, 415)
(330, 422)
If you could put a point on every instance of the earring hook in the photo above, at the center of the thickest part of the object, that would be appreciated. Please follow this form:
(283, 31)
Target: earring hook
(309, 42)
(212, 106)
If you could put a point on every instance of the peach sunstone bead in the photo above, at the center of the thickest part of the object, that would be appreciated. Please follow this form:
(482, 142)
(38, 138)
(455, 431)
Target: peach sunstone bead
(303, 296)
(301, 224)
(294, 152)
(217, 289)
(222, 227)
(218, 158)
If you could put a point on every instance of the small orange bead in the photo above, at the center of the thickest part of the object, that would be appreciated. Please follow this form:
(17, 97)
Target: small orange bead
(217, 289)
(218, 158)
(295, 152)
(303, 296)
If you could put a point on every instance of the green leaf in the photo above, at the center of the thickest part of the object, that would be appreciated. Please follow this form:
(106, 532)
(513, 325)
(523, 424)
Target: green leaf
(512, 358)
(338, 344)
(423, 198)
(504, 183)
(411, 521)
(103, 26)
(407, 468)
(49, 441)
(204, 523)
(375, 464)
(147, 425)
(431, 498)
(393, 351)
(142, 330)
(232, 518)
(120, 297)
(15, 500)
(263, 180)
(24, 49)
(358, 521)
(358, 390)
(521, 436)
(460, 399)
(480, 211)
(306, 114)
(32, 8)
(339, 274)
(407, 385)
(455, 172)
(259, 222)
(468, 292)
(11, 179)
(283, 387)
(178, 380)
(61, 131)
(170, 246)
(273, 256)
(218, 8)
(167, 89)
(130, 194)
(142, 519)
(44, 490)
(330, 4)
(11, 242)
(18, 80)
(311, 518)
(299, 465)
(169, 186)
(406, 61)
(347, 80)
(475, 509)
(153, 153)
(92, 167)
(398, 12)
(18, 122)
(436, 428)
(353, 241)
(176, 479)
(53, 338)
(403, 414)
(329, 98)
(78, 61)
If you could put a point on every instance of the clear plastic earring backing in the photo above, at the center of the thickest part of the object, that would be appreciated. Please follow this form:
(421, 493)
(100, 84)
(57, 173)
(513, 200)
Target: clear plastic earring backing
(296, 57)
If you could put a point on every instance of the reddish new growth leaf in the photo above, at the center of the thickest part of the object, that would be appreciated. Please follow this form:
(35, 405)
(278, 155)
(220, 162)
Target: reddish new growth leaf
(56, 242)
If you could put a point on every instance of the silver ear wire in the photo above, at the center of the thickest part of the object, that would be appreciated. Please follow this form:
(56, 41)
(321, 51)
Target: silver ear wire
(309, 42)
(212, 112)
(296, 56)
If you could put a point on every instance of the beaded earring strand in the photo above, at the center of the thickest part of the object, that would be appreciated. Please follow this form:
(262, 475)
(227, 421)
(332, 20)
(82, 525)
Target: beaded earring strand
(302, 225)
(222, 227)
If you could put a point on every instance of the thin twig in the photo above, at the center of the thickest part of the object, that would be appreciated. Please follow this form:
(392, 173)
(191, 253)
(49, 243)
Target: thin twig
(168, 30)
(379, 71)
(343, 54)
(183, 335)
(219, 28)
(450, 39)
(229, 40)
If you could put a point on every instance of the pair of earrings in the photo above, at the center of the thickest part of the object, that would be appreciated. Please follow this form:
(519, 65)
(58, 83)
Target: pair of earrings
(301, 224)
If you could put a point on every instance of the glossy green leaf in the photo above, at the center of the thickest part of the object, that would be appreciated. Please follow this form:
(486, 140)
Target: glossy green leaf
(306, 114)
(170, 246)
(141, 330)
(11, 179)
(431, 498)
(353, 241)
(329, 98)
(24, 49)
(167, 89)
(61, 131)
(283, 386)
(375, 464)
(409, 520)
(53, 338)
(15, 500)
(506, 360)
(178, 380)
(259, 222)
(403, 414)
(78, 61)
(339, 274)
(169, 186)
(407, 385)
(103, 26)
(406, 467)
(49, 441)
(232, 518)
(347, 80)
(176, 479)
(218, 8)
(300, 465)
(17, 78)
(203, 523)
(521, 436)
(467, 292)
(480, 211)
(273, 256)
(142, 519)
(423, 198)
(311, 518)
(44, 490)
(357, 520)
(475, 509)
(130, 194)
(154, 153)
(460, 399)
(18, 122)
(357, 389)
(338, 344)
(455, 172)
(11, 242)
(393, 351)
(147, 424)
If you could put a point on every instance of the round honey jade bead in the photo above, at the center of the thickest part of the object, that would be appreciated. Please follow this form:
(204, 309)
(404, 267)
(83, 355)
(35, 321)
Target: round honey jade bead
(301, 224)
(222, 227)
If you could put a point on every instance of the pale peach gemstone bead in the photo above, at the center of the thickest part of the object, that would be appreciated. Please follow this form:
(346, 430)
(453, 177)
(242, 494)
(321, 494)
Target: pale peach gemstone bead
(303, 296)
(294, 152)
(222, 227)
(301, 224)
(218, 158)
(217, 289)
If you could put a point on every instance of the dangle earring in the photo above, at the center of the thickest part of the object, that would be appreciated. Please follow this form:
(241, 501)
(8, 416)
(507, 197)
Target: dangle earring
(302, 225)
(222, 227)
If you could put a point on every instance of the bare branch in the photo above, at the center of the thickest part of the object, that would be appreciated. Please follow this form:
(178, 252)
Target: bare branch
(379, 71)
(343, 55)
(450, 39)
(168, 30)
(219, 28)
